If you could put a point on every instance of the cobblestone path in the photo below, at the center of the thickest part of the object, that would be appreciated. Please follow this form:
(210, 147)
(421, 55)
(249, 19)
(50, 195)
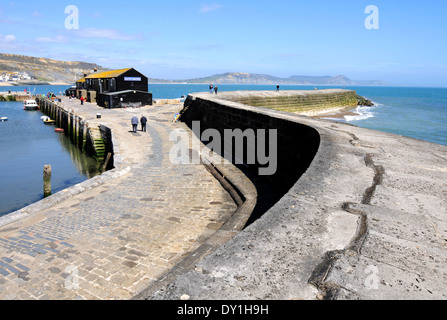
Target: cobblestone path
(112, 241)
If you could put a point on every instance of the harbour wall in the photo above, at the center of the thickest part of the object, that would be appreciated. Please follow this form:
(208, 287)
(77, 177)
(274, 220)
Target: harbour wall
(95, 141)
(307, 102)
(15, 96)
(296, 143)
(348, 206)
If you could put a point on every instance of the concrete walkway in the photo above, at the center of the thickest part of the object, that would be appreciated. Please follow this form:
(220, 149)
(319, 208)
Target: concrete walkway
(368, 221)
(114, 238)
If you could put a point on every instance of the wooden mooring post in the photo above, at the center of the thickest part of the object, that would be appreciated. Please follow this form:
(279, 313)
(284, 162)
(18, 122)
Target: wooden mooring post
(47, 180)
(104, 167)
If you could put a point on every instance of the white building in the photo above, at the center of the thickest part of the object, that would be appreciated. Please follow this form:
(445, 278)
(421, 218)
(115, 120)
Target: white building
(24, 76)
(14, 76)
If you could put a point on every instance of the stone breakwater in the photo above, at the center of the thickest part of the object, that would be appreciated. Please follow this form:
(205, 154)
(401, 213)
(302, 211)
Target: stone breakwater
(365, 220)
(305, 102)
(15, 96)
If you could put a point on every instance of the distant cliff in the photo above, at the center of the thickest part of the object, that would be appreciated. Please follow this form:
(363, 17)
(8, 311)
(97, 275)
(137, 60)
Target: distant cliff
(44, 70)
(250, 78)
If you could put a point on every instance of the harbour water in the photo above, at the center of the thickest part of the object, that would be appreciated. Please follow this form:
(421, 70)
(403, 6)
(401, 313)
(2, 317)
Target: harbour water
(26, 145)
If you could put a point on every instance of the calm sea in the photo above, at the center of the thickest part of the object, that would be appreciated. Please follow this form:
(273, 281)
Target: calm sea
(26, 144)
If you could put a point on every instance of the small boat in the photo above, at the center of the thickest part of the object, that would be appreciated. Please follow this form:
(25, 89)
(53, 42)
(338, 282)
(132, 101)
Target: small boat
(3, 119)
(49, 121)
(30, 105)
(60, 130)
(43, 118)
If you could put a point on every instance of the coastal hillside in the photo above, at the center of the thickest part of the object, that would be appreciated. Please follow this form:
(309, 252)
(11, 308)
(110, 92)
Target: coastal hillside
(43, 70)
(250, 79)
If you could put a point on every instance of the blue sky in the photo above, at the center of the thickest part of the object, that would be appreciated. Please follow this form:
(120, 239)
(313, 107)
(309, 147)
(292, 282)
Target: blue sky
(188, 39)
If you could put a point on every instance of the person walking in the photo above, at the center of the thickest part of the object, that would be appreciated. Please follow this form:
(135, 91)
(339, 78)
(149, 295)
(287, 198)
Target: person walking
(143, 121)
(211, 88)
(215, 89)
(134, 122)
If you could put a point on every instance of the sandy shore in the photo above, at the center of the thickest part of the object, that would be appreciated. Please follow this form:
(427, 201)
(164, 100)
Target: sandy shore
(59, 84)
(339, 114)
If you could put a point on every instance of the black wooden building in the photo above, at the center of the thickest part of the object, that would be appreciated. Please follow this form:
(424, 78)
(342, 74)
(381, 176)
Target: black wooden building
(124, 99)
(115, 88)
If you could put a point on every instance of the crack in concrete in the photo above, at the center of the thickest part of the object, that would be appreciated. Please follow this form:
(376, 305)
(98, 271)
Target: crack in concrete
(355, 141)
(319, 275)
(378, 178)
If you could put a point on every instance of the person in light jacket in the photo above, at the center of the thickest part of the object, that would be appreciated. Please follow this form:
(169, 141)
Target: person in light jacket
(134, 122)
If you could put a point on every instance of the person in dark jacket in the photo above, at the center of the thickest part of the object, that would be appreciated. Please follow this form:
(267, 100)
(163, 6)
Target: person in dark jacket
(143, 121)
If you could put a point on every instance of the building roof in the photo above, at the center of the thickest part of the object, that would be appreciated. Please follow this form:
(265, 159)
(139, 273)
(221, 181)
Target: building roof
(107, 74)
(81, 80)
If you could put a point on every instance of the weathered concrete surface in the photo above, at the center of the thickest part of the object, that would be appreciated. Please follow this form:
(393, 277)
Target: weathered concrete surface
(368, 220)
(303, 102)
(111, 236)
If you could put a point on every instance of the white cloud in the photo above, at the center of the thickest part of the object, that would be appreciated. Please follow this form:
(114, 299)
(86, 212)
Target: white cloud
(7, 38)
(204, 8)
(9, 43)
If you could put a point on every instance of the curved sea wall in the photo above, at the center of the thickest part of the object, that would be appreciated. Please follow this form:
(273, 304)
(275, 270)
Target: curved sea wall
(297, 144)
(352, 222)
(306, 102)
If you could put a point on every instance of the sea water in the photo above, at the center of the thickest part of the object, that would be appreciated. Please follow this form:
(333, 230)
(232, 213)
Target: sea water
(26, 145)
(419, 113)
